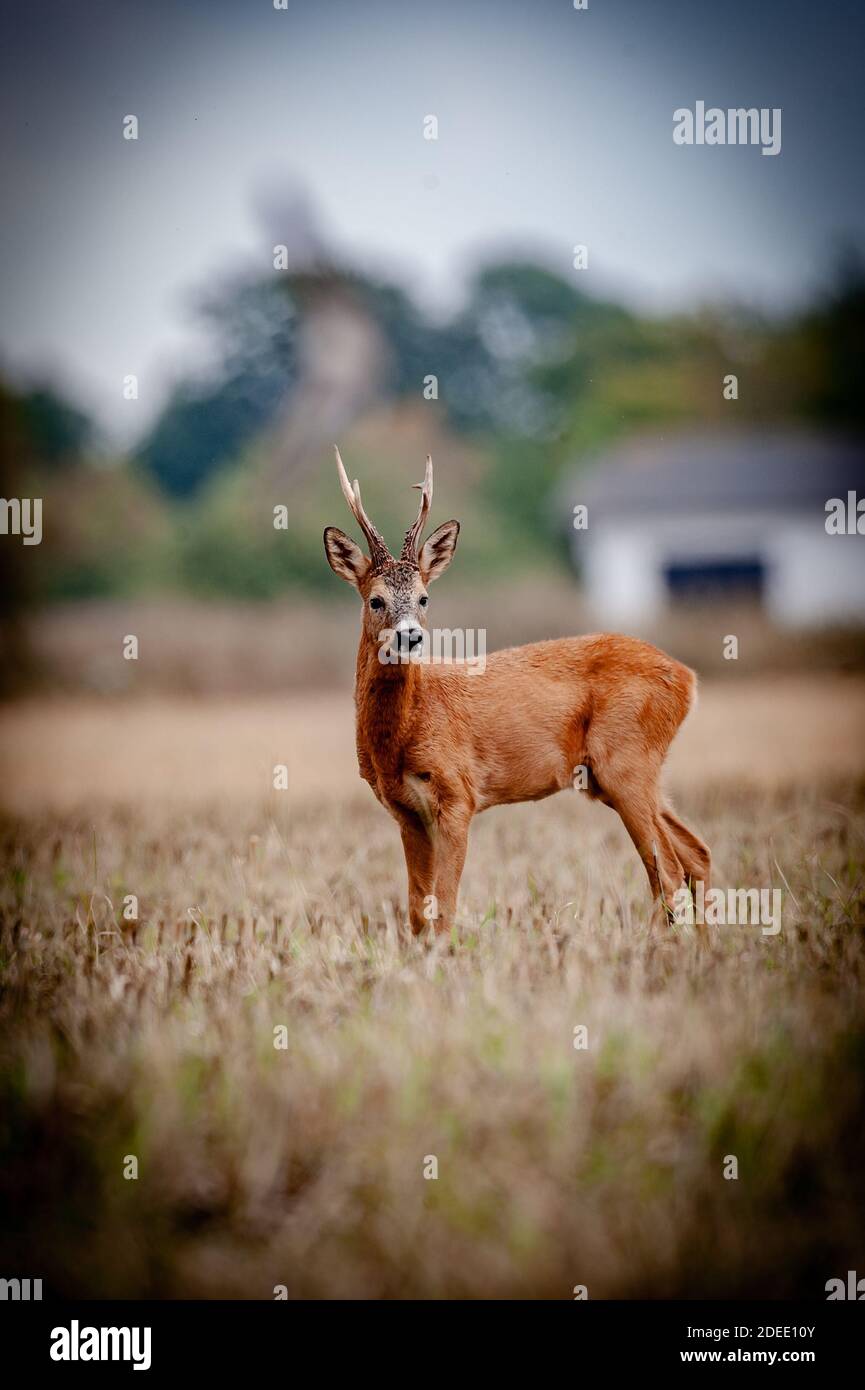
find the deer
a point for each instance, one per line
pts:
(438, 743)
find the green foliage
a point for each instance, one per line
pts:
(219, 557)
(535, 376)
(207, 423)
(58, 432)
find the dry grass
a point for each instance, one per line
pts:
(305, 1165)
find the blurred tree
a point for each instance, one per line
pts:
(16, 575)
(517, 316)
(41, 436)
(205, 424)
(833, 337)
(546, 373)
(57, 432)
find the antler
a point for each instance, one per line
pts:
(411, 544)
(378, 551)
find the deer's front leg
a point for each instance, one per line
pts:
(420, 863)
(452, 837)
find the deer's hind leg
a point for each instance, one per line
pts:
(636, 799)
(641, 817)
(692, 851)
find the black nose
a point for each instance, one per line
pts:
(410, 638)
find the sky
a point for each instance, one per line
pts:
(554, 128)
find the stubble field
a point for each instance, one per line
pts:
(284, 1063)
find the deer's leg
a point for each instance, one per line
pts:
(420, 857)
(638, 806)
(451, 845)
(693, 853)
(669, 866)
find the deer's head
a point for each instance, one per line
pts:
(394, 591)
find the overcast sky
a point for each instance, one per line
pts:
(555, 127)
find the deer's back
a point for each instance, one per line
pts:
(520, 729)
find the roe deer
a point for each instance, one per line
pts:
(438, 743)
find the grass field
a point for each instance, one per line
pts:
(303, 1165)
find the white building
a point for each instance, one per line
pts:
(722, 515)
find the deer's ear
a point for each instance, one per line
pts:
(344, 557)
(438, 551)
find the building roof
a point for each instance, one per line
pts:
(786, 470)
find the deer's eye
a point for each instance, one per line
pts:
(376, 603)
(423, 600)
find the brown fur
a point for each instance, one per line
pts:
(438, 744)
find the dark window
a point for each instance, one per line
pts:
(709, 579)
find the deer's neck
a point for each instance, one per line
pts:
(387, 700)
